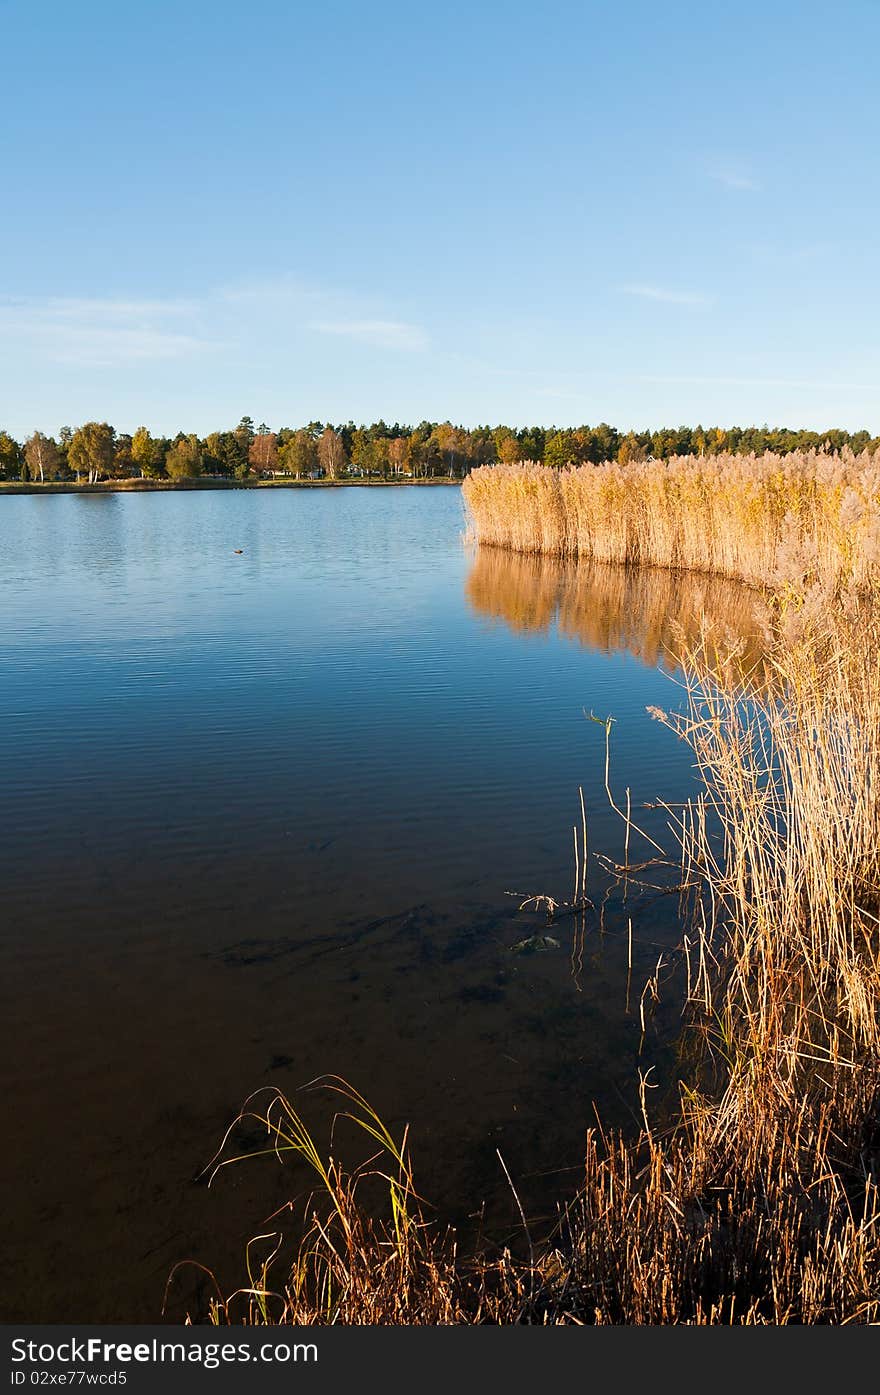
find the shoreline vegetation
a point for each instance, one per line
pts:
(758, 1203)
(768, 520)
(97, 453)
(147, 486)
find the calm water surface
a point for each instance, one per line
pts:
(260, 815)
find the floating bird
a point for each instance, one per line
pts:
(238, 551)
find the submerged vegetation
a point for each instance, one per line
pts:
(758, 1203)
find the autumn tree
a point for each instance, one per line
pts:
(299, 455)
(10, 456)
(331, 453)
(381, 457)
(507, 447)
(91, 450)
(452, 446)
(95, 451)
(263, 452)
(481, 447)
(632, 450)
(184, 460)
(219, 447)
(400, 455)
(42, 456)
(427, 457)
(145, 453)
(123, 465)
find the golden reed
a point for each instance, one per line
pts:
(759, 1204)
(764, 519)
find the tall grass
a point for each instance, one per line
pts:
(805, 516)
(759, 1204)
(773, 1169)
(365, 1253)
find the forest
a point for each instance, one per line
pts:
(322, 450)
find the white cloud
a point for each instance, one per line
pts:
(103, 331)
(73, 307)
(807, 384)
(383, 334)
(264, 293)
(734, 179)
(669, 297)
(95, 332)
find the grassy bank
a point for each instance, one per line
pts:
(759, 1204)
(765, 519)
(137, 486)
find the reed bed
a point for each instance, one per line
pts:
(763, 519)
(759, 1203)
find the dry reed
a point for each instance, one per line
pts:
(760, 1203)
(807, 516)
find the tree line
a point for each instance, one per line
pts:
(322, 450)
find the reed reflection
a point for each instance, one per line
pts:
(653, 613)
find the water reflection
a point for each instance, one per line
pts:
(268, 834)
(654, 614)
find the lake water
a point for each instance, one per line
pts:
(260, 816)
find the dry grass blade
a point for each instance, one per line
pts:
(759, 1204)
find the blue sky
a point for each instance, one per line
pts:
(645, 213)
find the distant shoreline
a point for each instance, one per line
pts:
(167, 486)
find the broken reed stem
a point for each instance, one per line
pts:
(626, 843)
(584, 846)
(577, 870)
